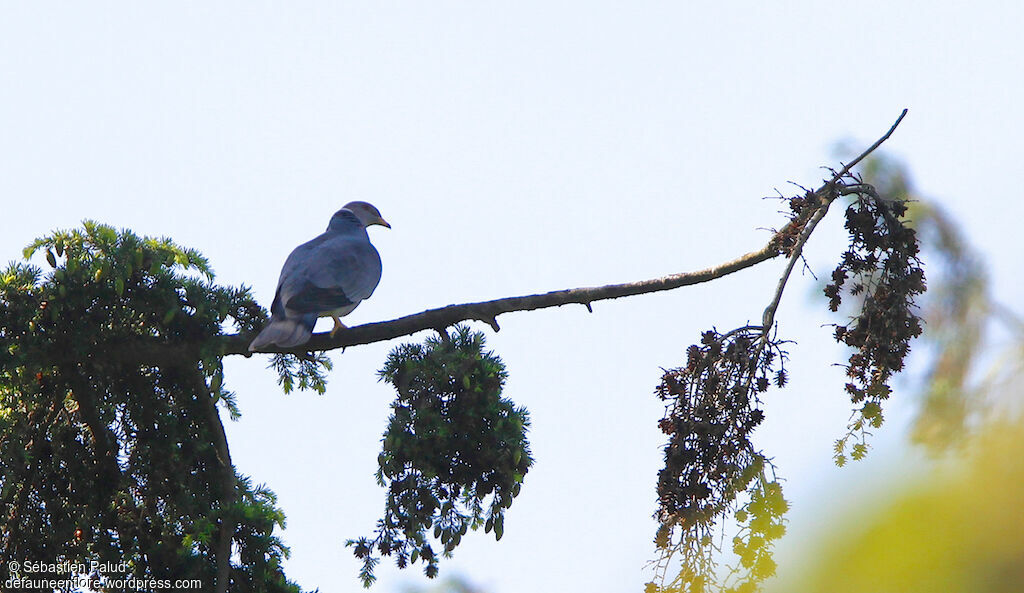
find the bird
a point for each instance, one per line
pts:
(325, 277)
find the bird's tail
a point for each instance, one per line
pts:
(285, 332)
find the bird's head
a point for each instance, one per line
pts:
(367, 214)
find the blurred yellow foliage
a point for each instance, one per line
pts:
(960, 531)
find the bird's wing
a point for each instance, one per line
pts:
(334, 270)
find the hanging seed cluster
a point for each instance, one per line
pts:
(713, 407)
(882, 270)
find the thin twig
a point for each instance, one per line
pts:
(769, 313)
(871, 149)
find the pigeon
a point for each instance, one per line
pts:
(326, 277)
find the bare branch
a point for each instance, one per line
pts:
(488, 311)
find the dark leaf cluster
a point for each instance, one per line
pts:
(713, 406)
(455, 451)
(110, 374)
(881, 270)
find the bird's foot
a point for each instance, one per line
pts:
(337, 326)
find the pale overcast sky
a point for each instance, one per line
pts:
(515, 148)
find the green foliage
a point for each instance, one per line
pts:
(111, 447)
(762, 520)
(256, 515)
(455, 452)
(307, 370)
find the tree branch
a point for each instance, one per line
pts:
(226, 479)
(488, 311)
(827, 193)
(768, 318)
(870, 149)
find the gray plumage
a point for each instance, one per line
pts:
(326, 277)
